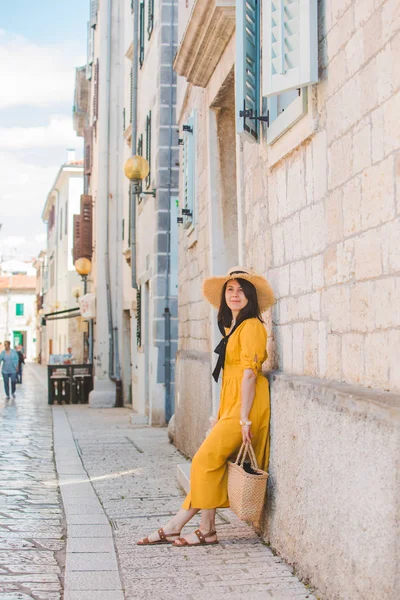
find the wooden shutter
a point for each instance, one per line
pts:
(77, 238)
(150, 17)
(86, 226)
(290, 45)
(139, 316)
(141, 33)
(94, 7)
(96, 91)
(148, 147)
(88, 138)
(247, 74)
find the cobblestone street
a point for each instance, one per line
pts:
(133, 474)
(32, 533)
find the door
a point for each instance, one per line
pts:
(18, 338)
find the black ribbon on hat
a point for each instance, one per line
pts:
(221, 349)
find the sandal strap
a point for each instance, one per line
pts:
(161, 534)
(202, 536)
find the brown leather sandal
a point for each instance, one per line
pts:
(163, 539)
(202, 540)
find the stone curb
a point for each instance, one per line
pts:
(91, 570)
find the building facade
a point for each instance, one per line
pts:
(59, 279)
(307, 196)
(129, 110)
(17, 306)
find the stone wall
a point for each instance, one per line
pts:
(333, 496)
(322, 208)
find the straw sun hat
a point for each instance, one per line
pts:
(212, 287)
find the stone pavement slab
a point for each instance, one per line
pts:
(133, 472)
(87, 569)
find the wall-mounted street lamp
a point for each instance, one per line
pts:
(83, 266)
(136, 168)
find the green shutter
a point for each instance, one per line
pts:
(248, 68)
(141, 34)
(150, 18)
(130, 95)
(148, 147)
(140, 145)
(94, 7)
(19, 310)
(139, 316)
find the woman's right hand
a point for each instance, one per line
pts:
(246, 434)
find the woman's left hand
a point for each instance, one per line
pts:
(246, 434)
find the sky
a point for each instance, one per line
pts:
(41, 44)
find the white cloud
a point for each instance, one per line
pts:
(38, 75)
(58, 132)
(24, 186)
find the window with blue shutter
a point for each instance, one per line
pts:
(140, 145)
(247, 73)
(130, 95)
(139, 316)
(290, 61)
(19, 310)
(189, 167)
(94, 7)
(290, 45)
(148, 147)
(141, 33)
(150, 18)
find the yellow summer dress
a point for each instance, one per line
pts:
(246, 349)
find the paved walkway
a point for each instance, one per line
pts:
(118, 483)
(32, 528)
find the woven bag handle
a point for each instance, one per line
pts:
(247, 448)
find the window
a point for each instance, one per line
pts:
(150, 18)
(19, 310)
(141, 33)
(189, 164)
(94, 6)
(139, 316)
(290, 64)
(148, 147)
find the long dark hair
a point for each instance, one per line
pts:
(251, 310)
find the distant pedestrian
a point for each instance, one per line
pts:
(21, 361)
(244, 411)
(10, 361)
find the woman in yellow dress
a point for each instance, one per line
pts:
(244, 410)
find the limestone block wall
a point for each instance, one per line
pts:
(333, 497)
(323, 207)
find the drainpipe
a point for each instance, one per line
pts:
(113, 365)
(167, 312)
(134, 136)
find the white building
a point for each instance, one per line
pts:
(130, 109)
(17, 305)
(63, 201)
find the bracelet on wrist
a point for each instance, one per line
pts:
(244, 422)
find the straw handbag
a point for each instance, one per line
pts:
(246, 491)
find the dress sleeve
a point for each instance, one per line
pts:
(253, 341)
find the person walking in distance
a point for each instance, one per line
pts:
(244, 412)
(10, 361)
(21, 361)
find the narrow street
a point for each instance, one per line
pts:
(118, 483)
